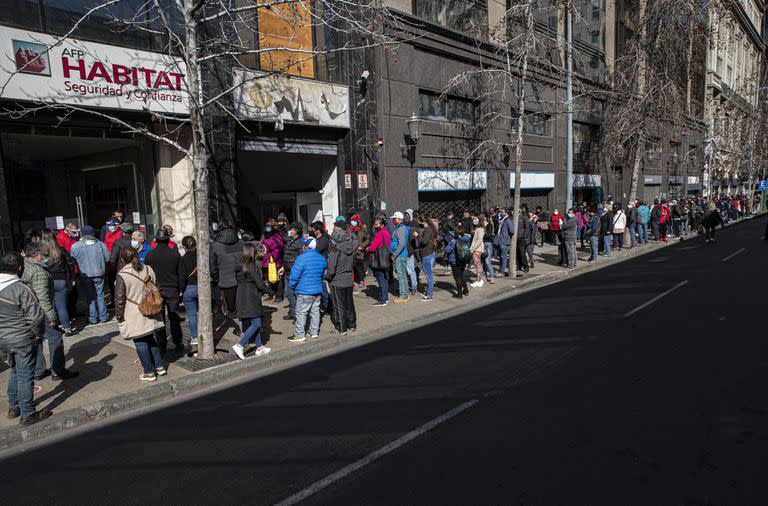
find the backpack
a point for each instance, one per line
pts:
(462, 251)
(151, 303)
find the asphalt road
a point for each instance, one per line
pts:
(577, 393)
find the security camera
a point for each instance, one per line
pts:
(365, 74)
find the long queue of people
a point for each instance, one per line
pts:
(317, 271)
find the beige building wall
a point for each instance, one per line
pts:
(174, 189)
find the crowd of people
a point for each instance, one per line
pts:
(318, 271)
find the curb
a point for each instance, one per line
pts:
(309, 350)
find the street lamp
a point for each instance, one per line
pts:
(411, 138)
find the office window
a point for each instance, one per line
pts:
(452, 109)
(21, 14)
(465, 16)
(534, 123)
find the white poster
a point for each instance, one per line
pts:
(533, 180)
(265, 97)
(447, 180)
(34, 67)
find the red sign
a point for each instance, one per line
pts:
(362, 180)
(348, 181)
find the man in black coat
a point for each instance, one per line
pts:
(226, 255)
(171, 275)
(292, 249)
(119, 244)
(524, 235)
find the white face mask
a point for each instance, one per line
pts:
(475, 221)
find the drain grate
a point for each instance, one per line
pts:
(193, 364)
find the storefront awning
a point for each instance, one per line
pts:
(287, 147)
(587, 181)
(652, 180)
(451, 180)
(533, 180)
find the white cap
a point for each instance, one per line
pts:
(397, 216)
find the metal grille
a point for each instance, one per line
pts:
(439, 203)
(535, 198)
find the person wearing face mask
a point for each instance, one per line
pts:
(92, 257)
(570, 236)
(380, 265)
(37, 278)
(273, 242)
(478, 249)
(68, 236)
(123, 242)
(62, 270)
(23, 327)
(555, 226)
(115, 218)
(362, 237)
(293, 248)
(139, 243)
(112, 234)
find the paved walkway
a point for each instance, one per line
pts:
(108, 364)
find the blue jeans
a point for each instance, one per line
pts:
(21, 379)
(307, 305)
(291, 296)
(633, 235)
(60, 292)
(642, 231)
(618, 240)
(411, 268)
(55, 350)
(383, 281)
(94, 291)
(325, 298)
(607, 244)
(252, 329)
(685, 226)
(595, 246)
(401, 267)
(504, 258)
(148, 350)
(428, 262)
(190, 305)
(488, 266)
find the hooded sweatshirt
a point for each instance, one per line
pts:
(340, 260)
(226, 254)
(22, 318)
(91, 256)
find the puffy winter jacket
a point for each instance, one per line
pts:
(307, 273)
(23, 320)
(569, 229)
(274, 245)
(91, 256)
(292, 250)
(226, 255)
(645, 214)
(39, 280)
(111, 237)
(399, 245)
(450, 249)
(506, 231)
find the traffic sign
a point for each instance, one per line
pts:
(762, 185)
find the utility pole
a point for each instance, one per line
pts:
(569, 87)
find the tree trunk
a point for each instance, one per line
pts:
(519, 140)
(200, 158)
(636, 167)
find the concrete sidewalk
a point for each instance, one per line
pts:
(108, 364)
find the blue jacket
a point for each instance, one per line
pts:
(450, 249)
(145, 248)
(645, 214)
(307, 273)
(506, 231)
(399, 245)
(91, 256)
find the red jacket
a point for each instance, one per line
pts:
(111, 237)
(171, 244)
(554, 223)
(381, 238)
(65, 241)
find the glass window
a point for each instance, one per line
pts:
(467, 16)
(534, 123)
(453, 109)
(584, 146)
(588, 23)
(21, 14)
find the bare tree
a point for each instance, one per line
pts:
(210, 39)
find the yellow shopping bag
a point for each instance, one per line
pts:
(272, 271)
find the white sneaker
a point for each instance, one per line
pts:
(239, 351)
(262, 350)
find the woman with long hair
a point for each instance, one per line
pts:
(380, 266)
(477, 247)
(427, 246)
(250, 288)
(189, 296)
(145, 331)
(62, 271)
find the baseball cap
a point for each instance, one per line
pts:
(397, 216)
(88, 230)
(310, 243)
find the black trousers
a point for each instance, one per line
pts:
(359, 270)
(520, 256)
(529, 253)
(173, 320)
(459, 278)
(343, 315)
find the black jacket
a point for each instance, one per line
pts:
(226, 255)
(712, 219)
(63, 268)
(250, 288)
(117, 247)
(291, 251)
(524, 230)
(168, 267)
(427, 241)
(606, 224)
(190, 266)
(569, 229)
(324, 245)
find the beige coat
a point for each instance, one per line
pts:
(134, 324)
(477, 240)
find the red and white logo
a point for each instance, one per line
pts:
(31, 58)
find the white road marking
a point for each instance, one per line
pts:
(373, 456)
(543, 340)
(659, 296)
(732, 255)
